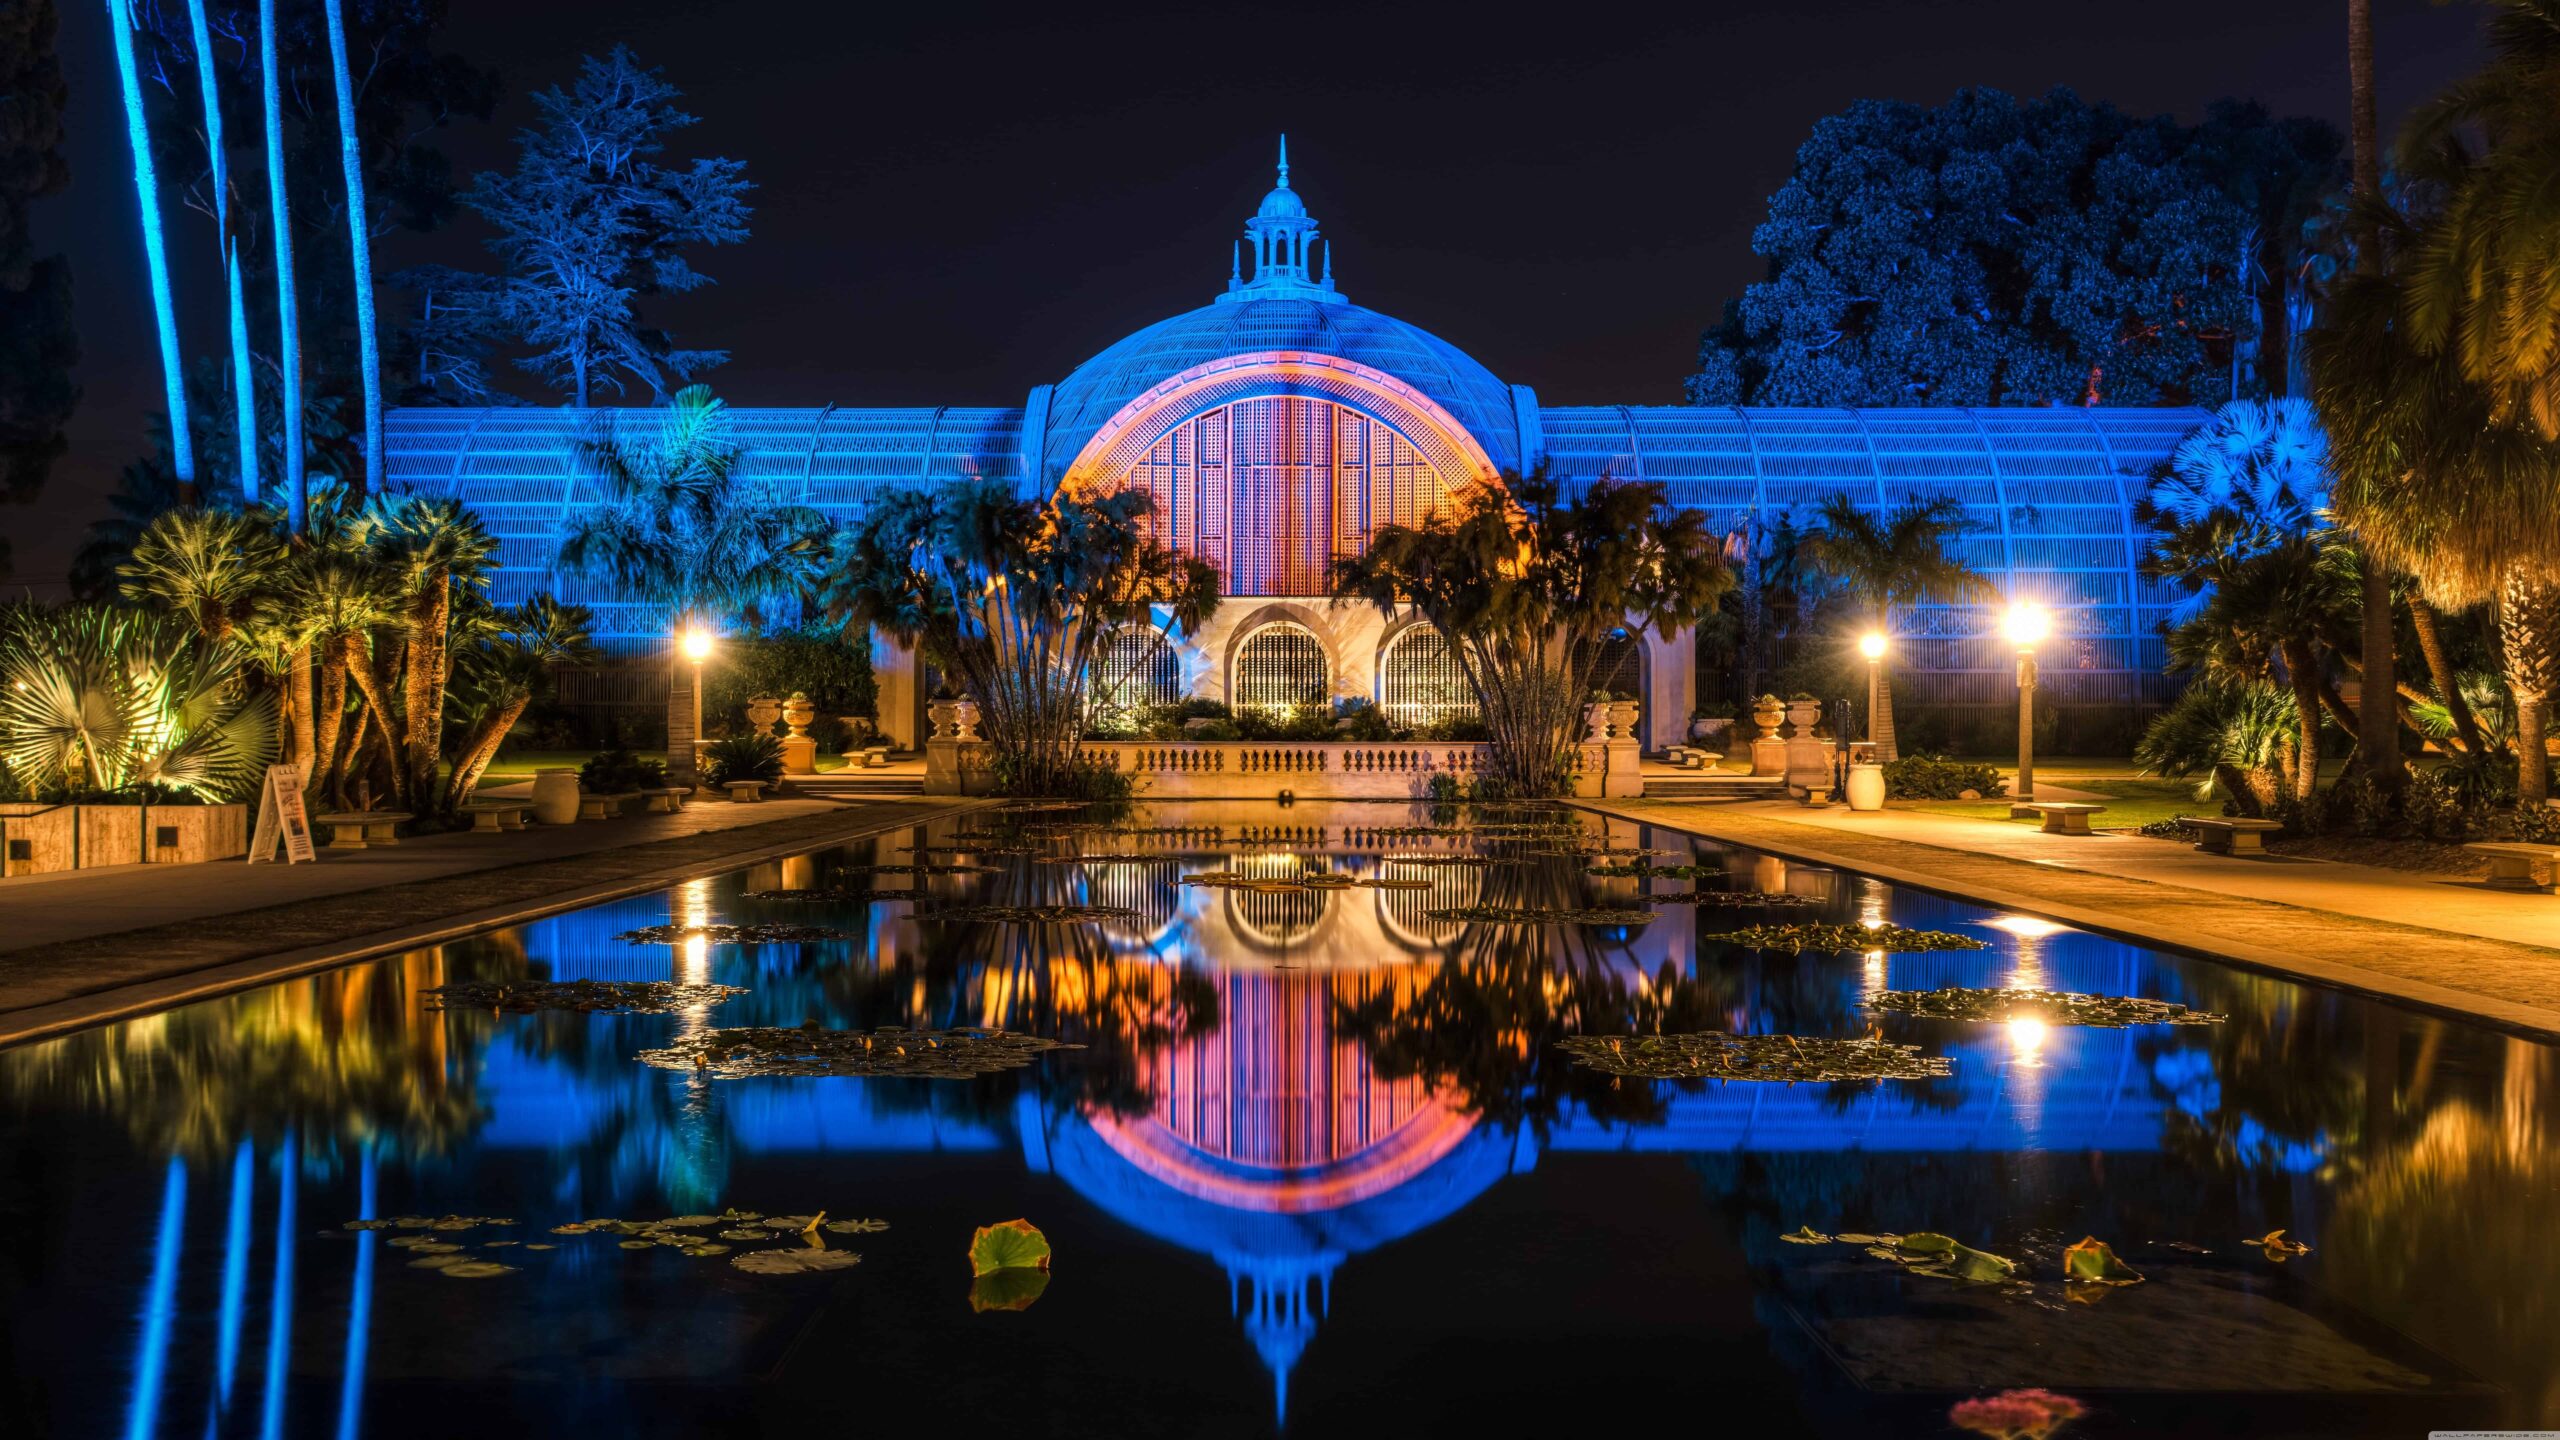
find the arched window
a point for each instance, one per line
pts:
(1280, 667)
(1419, 682)
(1133, 668)
(1618, 667)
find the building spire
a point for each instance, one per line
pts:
(1283, 236)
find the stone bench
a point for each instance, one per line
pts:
(744, 791)
(2231, 837)
(1818, 793)
(2061, 817)
(2511, 863)
(666, 799)
(600, 807)
(494, 816)
(356, 829)
(1689, 757)
(873, 756)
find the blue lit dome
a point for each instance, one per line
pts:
(1090, 396)
(1281, 204)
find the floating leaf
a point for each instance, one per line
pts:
(425, 1247)
(437, 1262)
(1731, 899)
(767, 934)
(1523, 915)
(928, 1054)
(857, 1227)
(1013, 1245)
(2054, 1007)
(1029, 914)
(1012, 1289)
(794, 1262)
(1123, 858)
(1929, 1253)
(705, 1251)
(1807, 1235)
(478, 1270)
(2092, 1262)
(602, 997)
(1716, 1055)
(1797, 939)
(2278, 1248)
(793, 1223)
(746, 1234)
(1460, 862)
(638, 1244)
(1645, 870)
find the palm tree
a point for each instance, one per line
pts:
(428, 548)
(328, 600)
(505, 661)
(93, 697)
(2242, 506)
(215, 567)
(155, 249)
(244, 386)
(359, 248)
(1896, 561)
(297, 496)
(2238, 734)
(2378, 728)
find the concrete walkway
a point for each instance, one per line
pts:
(90, 945)
(2451, 945)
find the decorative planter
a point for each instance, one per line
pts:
(762, 711)
(1866, 787)
(1595, 724)
(1767, 714)
(1802, 716)
(555, 796)
(797, 713)
(964, 719)
(941, 713)
(1622, 719)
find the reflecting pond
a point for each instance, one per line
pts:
(1315, 1163)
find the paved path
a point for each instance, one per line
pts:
(2452, 945)
(90, 945)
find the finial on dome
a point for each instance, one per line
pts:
(1284, 160)
(1284, 240)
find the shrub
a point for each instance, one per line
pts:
(832, 667)
(619, 772)
(743, 757)
(1935, 777)
(1457, 729)
(1300, 723)
(1360, 720)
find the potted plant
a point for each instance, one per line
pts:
(744, 757)
(1804, 711)
(1766, 713)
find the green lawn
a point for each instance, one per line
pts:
(2130, 803)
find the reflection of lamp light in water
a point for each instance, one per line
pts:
(693, 965)
(2026, 1040)
(2025, 927)
(2031, 934)
(1877, 980)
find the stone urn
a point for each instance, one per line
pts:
(762, 711)
(1802, 716)
(1866, 786)
(1595, 724)
(799, 750)
(942, 713)
(1707, 729)
(964, 717)
(1766, 713)
(798, 713)
(555, 796)
(1622, 719)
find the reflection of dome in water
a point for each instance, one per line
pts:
(1274, 1147)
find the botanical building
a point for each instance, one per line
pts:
(1280, 425)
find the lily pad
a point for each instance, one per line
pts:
(2054, 1007)
(1643, 870)
(793, 1223)
(1012, 1289)
(478, 1270)
(773, 1050)
(971, 847)
(746, 1234)
(639, 1244)
(1807, 1235)
(438, 1262)
(1929, 1253)
(600, 997)
(790, 1261)
(1530, 915)
(1717, 1055)
(2093, 1262)
(706, 1250)
(1841, 939)
(736, 934)
(856, 1227)
(1012, 1245)
(1731, 899)
(2278, 1248)
(1123, 858)
(1452, 862)
(423, 1246)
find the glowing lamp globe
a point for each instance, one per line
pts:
(2027, 623)
(697, 644)
(1871, 645)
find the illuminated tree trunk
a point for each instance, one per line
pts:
(359, 248)
(2529, 631)
(155, 250)
(2302, 668)
(422, 682)
(479, 747)
(330, 713)
(2377, 705)
(2466, 726)
(374, 676)
(244, 381)
(297, 494)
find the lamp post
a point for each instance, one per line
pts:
(695, 645)
(2026, 626)
(1879, 739)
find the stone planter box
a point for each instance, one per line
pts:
(42, 838)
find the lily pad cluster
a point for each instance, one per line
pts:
(1107, 858)
(1296, 884)
(1924, 1252)
(847, 895)
(1030, 914)
(1797, 939)
(1602, 850)
(1733, 899)
(2054, 1007)
(1532, 915)
(765, 934)
(430, 1248)
(889, 1051)
(595, 997)
(732, 1228)
(1457, 862)
(973, 847)
(1643, 871)
(1718, 1055)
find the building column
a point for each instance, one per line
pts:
(1671, 689)
(894, 673)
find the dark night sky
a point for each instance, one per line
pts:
(960, 201)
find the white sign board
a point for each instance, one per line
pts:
(281, 817)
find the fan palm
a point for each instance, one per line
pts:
(503, 660)
(2239, 734)
(1897, 560)
(106, 699)
(426, 548)
(214, 567)
(682, 526)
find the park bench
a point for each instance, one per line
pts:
(744, 791)
(493, 816)
(2511, 863)
(666, 799)
(2061, 817)
(2230, 836)
(356, 829)
(1818, 793)
(600, 807)
(874, 756)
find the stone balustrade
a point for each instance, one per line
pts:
(1310, 769)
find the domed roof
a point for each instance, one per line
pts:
(1281, 204)
(1095, 391)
